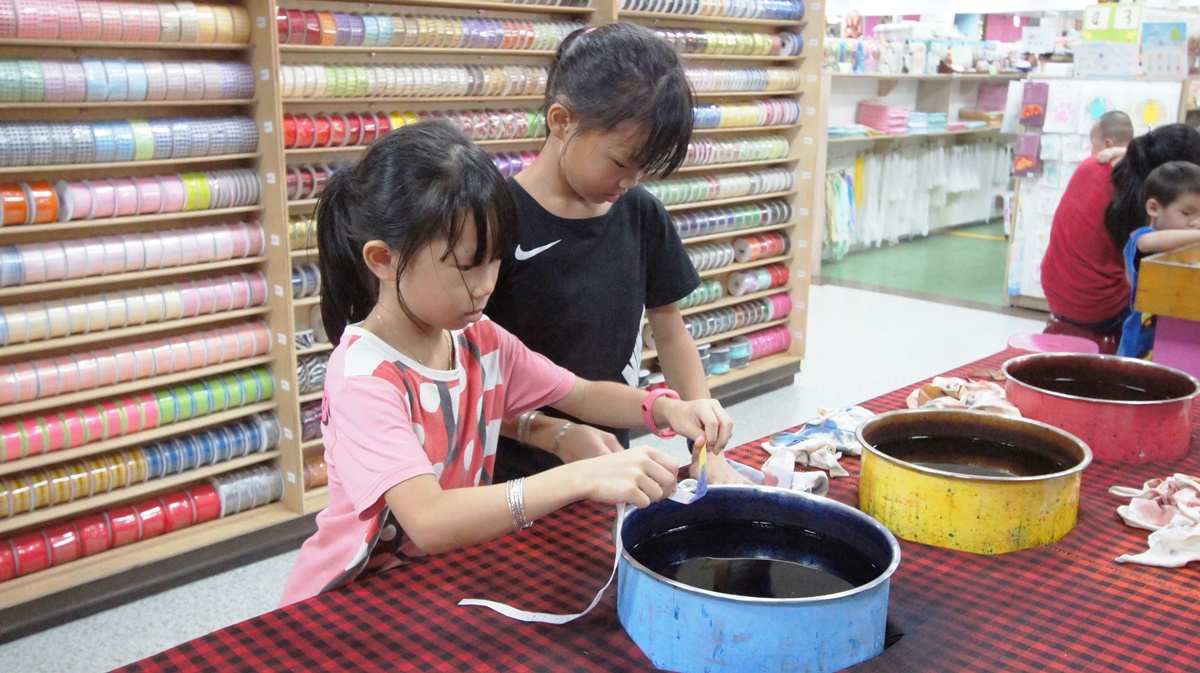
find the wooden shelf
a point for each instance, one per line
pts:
(312, 444)
(126, 332)
(305, 254)
(317, 348)
(725, 202)
(946, 134)
(120, 389)
(649, 354)
(135, 438)
(712, 273)
(7, 170)
(498, 100)
(746, 129)
(724, 94)
(89, 226)
(116, 496)
(98, 44)
(302, 203)
(131, 277)
(673, 18)
(306, 301)
(755, 368)
(429, 51)
(316, 499)
(736, 233)
(737, 164)
(963, 77)
(310, 397)
(114, 561)
(91, 105)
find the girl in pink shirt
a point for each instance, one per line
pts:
(411, 239)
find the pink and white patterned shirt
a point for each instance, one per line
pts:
(387, 419)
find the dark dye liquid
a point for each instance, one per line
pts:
(973, 456)
(756, 559)
(1115, 391)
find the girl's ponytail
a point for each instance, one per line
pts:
(348, 292)
(1127, 209)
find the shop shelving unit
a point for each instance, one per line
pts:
(283, 313)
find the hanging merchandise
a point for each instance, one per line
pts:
(877, 197)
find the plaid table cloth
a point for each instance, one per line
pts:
(1065, 607)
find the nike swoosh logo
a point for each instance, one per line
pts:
(523, 255)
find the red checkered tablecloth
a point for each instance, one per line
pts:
(1066, 607)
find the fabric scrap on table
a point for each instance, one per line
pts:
(820, 442)
(781, 474)
(956, 393)
(1170, 508)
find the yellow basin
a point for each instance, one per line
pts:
(970, 481)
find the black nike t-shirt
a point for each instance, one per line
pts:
(576, 291)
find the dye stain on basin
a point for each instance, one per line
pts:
(756, 559)
(970, 481)
(751, 578)
(1125, 410)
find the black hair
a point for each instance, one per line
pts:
(1171, 181)
(1127, 209)
(416, 185)
(623, 72)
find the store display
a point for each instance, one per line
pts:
(90, 534)
(314, 81)
(704, 80)
(44, 143)
(125, 197)
(339, 29)
(82, 20)
(68, 482)
(54, 319)
(121, 80)
(96, 317)
(70, 427)
(776, 10)
(737, 316)
(722, 186)
(65, 374)
(732, 43)
(742, 216)
(33, 263)
(316, 473)
(714, 151)
(306, 280)
(769, 112)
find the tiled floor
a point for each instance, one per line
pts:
(861, 344)
(966, 263)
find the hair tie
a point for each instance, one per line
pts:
(585, 32)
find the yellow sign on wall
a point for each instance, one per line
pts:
(1112, 23)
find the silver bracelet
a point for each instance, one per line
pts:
(514, 491)
(562, 432)
(523, 426)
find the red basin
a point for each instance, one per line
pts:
(1126, 410)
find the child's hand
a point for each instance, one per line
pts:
(583, 441)
(639, 476)
(1112, 155)
(701, 417)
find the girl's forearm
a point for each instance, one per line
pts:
(440, 520)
